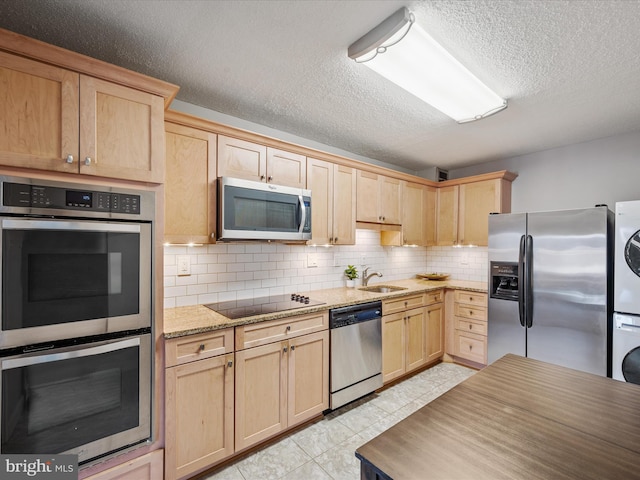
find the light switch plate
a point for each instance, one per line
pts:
(184, 265)
(312, 260)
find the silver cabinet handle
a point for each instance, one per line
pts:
(262, 177)
(87, 161)
(269, 178)
(288, 328)
(293, 347)
(69, 158)
(285, 349)
(230, 364)
(202, 347)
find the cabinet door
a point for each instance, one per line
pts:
(447, 223)
(241, 159)
(199, 415)
(286, 168)
(368, 198)
(121, 132)
(390, 200)
(393, 346)
(416, 334)
(435, 332)
(308, 376)
(430, 216)
(320, 182)
(261, 393)
(190, 188)
(477, 201)
(413, 214)
(39, 115)
(344, 205)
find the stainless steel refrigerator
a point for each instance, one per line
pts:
(550, 287)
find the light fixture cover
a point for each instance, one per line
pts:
(401, 51)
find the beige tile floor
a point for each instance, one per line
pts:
(325, 449)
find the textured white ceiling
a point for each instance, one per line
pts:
(570, 69)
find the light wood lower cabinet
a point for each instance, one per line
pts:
(412, 334)
(468, 322)
(146, 467)
(199, 402)
(279, 385)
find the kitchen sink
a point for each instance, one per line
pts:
(382, 288)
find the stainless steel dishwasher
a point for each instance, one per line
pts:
(356, 352)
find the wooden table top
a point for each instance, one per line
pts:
(516, 419)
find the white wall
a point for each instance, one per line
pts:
(576, 176)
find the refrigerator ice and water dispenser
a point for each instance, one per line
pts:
(504, 280)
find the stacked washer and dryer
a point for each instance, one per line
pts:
(626, 319)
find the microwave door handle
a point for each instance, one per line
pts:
(303, 210)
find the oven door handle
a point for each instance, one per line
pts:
(79, 353)
(13, 224)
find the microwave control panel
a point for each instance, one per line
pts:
(40, 196)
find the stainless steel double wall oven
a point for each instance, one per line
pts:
(76, 317)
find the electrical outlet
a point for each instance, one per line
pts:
(363, 259)
(336, 260)
(184, 265)
(312, 260)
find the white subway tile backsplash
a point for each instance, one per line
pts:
(224, 272)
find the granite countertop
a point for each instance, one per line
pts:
(193, 319)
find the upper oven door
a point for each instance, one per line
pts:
(66, 279)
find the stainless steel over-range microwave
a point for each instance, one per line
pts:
(262, 211)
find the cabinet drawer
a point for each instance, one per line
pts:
(470, 346)
(256, 334)
(470, 298)
(433, 297)
(402, 303)
(466, 325)
(197, 347)
(466, 311)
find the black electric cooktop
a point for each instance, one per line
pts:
(258, 306)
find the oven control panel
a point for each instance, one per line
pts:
(40, 196)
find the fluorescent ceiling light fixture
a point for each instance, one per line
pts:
(401, 51)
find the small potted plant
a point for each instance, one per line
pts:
(351, 273)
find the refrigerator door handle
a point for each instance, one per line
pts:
(521, 282)
(529, 280)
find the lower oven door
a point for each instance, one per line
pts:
(89, 400)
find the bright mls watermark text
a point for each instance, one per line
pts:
(45, 467)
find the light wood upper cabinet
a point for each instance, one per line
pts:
(333, 200)
(447, 219)
(251, 161)
(379, 199)
(121, 132)
(418, 214)
(463, 210)
(39, 115)
(477, 201)
(286, 168)
(62, 121)
(190, 188)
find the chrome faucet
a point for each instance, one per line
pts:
(365, 277)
